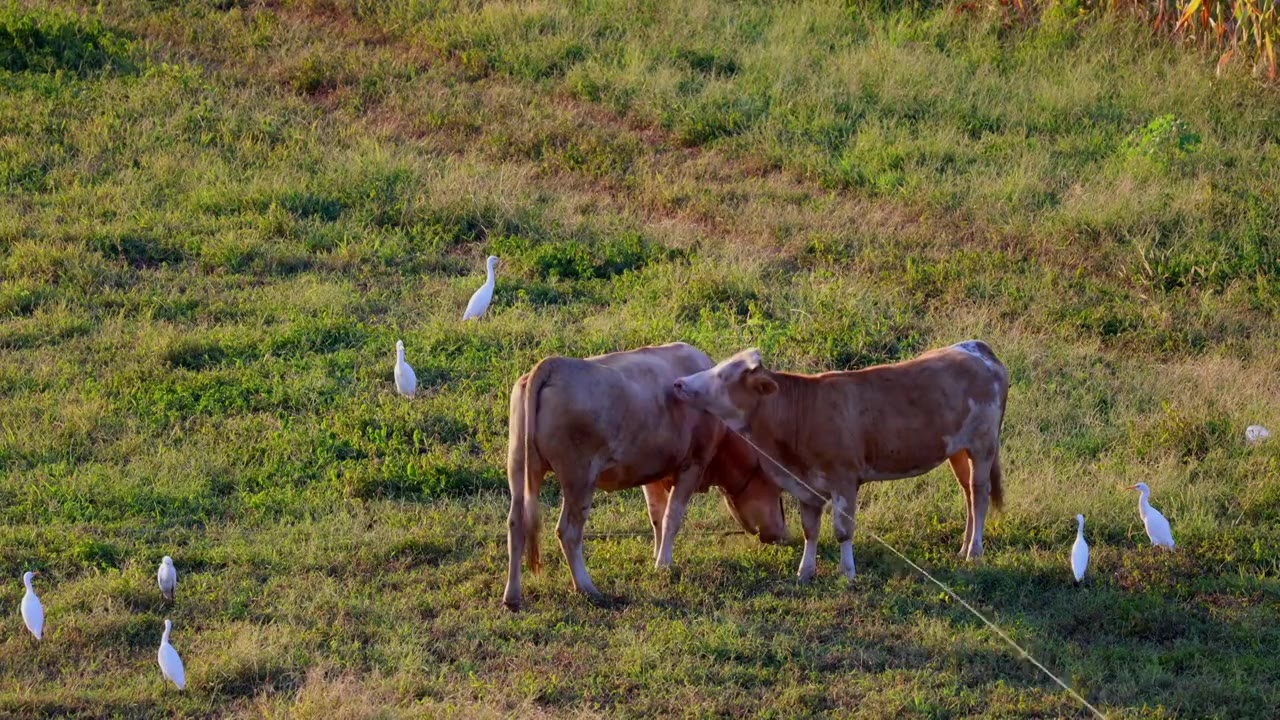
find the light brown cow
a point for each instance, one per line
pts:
(613, 422)
(838, 430)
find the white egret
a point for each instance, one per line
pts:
(170, 663)
(406, 380)
(480, 299)
(32, 610)
(167, 576)
(1157, 527)
(1255, 434)
(1079, 551)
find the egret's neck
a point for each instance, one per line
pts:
(165, 637)
(1080, 531)
(1143, 504)
(400, 354)
(488, 277)
(27, 581)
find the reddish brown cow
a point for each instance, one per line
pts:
(838, 430)
(749, 495)
(613, 422)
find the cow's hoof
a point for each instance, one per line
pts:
(512, 605)
(805, 577)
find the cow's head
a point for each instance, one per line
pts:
(753, 500)
(731, 390)
(758, 508)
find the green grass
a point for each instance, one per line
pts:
(217, 218)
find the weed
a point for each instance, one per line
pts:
(1165, 140)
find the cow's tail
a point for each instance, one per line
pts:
(997, 476)
(997, 489)
(533, 482)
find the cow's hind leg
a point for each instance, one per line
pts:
(981, 485)
(655, 498)
(516, 519)
(576, 487)
(844, 503)
(960, 465)
(515, 553)
(811, 521)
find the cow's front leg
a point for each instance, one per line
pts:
(811, 521)
(573, 518)
(655, 497)
(844, 503)
(687, 481)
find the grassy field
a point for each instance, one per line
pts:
(218, 216)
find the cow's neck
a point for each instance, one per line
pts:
(726, 480)
(775, 419)
(774, 429)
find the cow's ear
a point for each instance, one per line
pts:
(762, 384)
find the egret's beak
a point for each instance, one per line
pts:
(35, 573)
(1132, 487)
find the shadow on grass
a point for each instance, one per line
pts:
(1136, 636)
(1137, 633)
(85, 707)
(251, 679)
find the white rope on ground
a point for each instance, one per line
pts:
(1001, 633)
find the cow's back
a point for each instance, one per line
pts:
(907, 417)
(946, 377)
(657, 362)
(615, 412)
